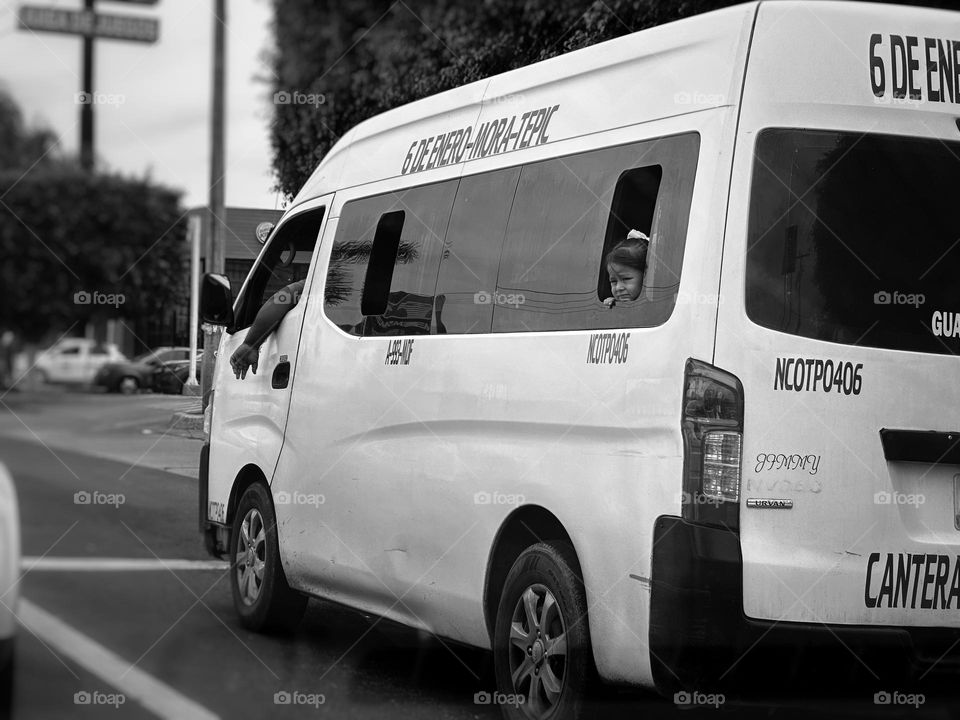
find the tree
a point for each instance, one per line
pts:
(78, 246)
(21, 147)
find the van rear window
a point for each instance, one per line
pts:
(854, 238)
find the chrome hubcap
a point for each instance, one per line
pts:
(538, 651)
(251, 556)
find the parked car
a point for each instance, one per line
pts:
(75, 360)
(170, 377)
(9, 578)
(129, 376)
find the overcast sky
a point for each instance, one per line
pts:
(157, 121)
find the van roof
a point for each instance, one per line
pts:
(685, 66)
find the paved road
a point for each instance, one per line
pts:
(162, 637)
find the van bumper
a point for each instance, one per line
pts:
(213, 533)
(701, 640)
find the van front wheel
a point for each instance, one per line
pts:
(541, 644)
(261, 596)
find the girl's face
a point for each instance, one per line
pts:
(625, 281)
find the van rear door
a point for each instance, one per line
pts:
(839, 303)
(845, 333)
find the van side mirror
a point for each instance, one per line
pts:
(216, 300)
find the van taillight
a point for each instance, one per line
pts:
(712, 425)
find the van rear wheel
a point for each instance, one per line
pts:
(541, 644)
(6, 690)
(261, 596)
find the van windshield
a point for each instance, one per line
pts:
(855, 238)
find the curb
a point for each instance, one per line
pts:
(188, 422)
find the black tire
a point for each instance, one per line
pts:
(264, 603)
(128, 385)
(553, 683)
(6, 689)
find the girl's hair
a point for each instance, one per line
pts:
(631, 252)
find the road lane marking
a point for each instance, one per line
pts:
(106, 564)
(135, 684)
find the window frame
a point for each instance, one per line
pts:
(244, 314)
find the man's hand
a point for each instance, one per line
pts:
(245, 356)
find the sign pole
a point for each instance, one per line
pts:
(86, 100)
(191, 387)
(217, 216)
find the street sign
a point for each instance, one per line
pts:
(89, 24)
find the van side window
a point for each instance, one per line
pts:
(285, 260)
(852, 239)
(348, 262)
(471, 252)
(409, 306)
(365, 294)
(566, 212)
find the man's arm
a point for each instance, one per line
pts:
(268, 318)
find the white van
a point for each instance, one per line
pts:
(453, 426)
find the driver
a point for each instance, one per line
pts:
(267, 319)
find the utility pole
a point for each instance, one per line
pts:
(216, 216)
(191, 386)
(86, 109)
(217, 180)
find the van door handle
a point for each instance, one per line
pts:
(926, 446)
(281, 375)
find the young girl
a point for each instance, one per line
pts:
(626, 265)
